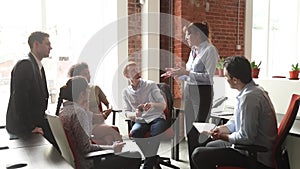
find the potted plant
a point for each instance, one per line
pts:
(220, 67)
(294, 72)
(255, 69)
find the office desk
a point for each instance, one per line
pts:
(219, 119)
(44, 156)
(30, 141)
(295, 130)
(34, 150)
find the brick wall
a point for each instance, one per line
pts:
(134, 31)
(222, 18)
(166, 42)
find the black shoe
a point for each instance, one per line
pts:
(156, 165)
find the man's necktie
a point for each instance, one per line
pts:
(43, 73)
(44, 82)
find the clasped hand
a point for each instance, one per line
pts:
(215, 133)
(220, 132)
(141, 108)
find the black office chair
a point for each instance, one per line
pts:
(169, 133)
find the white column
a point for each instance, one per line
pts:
(150, 39)
(43, 9)
(121, 82)
(248, 29)
(122, 47)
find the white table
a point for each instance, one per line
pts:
(35, 151)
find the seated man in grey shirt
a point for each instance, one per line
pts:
(254, 122)
(143, 99)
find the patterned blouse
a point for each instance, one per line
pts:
(96, 97)
(76, 124)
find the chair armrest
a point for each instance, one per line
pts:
(114, 116)
(177, 110)
(101, 153)
(130, 123)
(116, 111)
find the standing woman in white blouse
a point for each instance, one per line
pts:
(198, 75)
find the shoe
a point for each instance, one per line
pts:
(156, 165)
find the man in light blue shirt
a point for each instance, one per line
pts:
(144, 104)
(254, 122)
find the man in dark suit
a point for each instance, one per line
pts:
(29, 93)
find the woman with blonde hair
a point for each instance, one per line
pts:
(198, 74)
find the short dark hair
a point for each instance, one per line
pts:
(238, 67)
(71, 90)
(77, 68)
(37, 36)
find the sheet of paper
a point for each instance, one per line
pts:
(130, 114)
(222, 113)
(204, 127)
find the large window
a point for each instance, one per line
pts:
(70, 24)
(276, 35)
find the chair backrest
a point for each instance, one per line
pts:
(283, 130)
(61, 138)
(166, 92)
(169, 133)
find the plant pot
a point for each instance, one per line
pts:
(220, 72)
(255, 72)
(294, 74)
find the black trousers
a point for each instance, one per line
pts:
(197, 105)
(219, 153)
(126, 160)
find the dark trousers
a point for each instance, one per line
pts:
(219, 153)
(126, 160)
(197, 105)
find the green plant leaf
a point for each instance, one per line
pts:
(295, 67)
(254, 65)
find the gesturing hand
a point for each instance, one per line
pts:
(169, 72)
